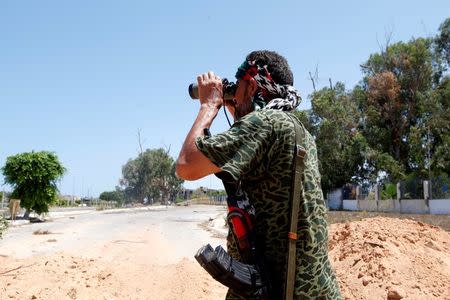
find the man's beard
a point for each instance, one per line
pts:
(244, 109)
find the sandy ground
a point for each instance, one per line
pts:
(131, 255)
(388, 258)
(149, 255)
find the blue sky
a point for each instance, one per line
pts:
(81, 77)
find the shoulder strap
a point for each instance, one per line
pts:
(296, 195)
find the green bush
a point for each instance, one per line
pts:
(3, 226)
(62, 203)
(179, 200)
(389, 191)
(34, 177)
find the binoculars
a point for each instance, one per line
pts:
(228, 89)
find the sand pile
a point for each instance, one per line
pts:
(386, 258)
(62, 276)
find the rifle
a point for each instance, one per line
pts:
(250, 274)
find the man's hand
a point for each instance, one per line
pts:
(210, 90)
(192, 164)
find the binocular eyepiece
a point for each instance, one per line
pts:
(228, 88)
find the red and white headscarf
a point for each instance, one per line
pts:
(287, 98)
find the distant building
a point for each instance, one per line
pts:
(69, 197)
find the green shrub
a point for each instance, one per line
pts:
(389, 191)
(3, 226)
(62, 203)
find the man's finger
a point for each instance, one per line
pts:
(199, 79)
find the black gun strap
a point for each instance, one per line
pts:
(297, 190)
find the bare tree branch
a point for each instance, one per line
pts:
(166, 148)
(312, 80)
(388, 38)
(139, 140)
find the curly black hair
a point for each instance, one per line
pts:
(277, 65)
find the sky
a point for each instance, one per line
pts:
(81, 78)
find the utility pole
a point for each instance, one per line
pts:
(73, 191)
(429, 162)
(82, 188)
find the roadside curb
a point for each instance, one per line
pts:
(217, 226)
(53, 215)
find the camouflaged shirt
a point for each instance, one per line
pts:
(259, 150)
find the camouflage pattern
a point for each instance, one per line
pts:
(258, 150)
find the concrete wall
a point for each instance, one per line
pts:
(367, 205)
(350, 204)
(389, 205)
(440, 206)
(335, 199)
(418, 206)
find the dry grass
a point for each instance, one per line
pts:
(205, 201)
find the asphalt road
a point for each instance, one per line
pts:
(83, 231)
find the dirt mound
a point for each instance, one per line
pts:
(387, 258)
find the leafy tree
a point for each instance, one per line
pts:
(442, 46)
(398, 83)
(334, 121)
(437, 127)
(151, 175)
(174, 184)
(33, 176)
(117, 195)
(395, 124)
(308, 119)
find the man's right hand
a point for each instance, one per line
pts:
(192, 164)
(210, 90)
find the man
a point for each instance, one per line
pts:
(258, 152)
